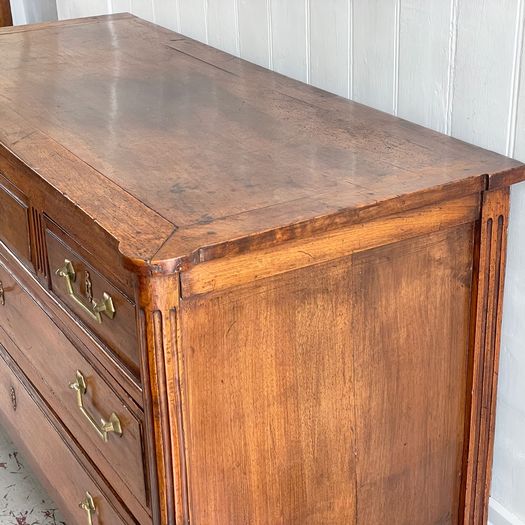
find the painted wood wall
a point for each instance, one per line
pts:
(452, 65)
(33, 11)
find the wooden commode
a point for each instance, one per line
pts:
(228, 298)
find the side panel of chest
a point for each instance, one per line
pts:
(335, 392)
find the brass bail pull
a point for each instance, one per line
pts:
(104, 428)
(93, 307)
(89, 506)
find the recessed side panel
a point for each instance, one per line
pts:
(335, 393)
(270, 403)
(410, 334)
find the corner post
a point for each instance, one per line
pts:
(485, 347)
(158, 330)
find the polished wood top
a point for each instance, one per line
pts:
(184, 153)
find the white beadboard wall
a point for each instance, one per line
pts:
(33, 11)
(452, 65)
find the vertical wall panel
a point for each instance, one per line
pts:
(222, 25)
(483, 72)
(508, 479)
(517, 146)
(289, 20)
(167, 14)
(64, 10)
(374, 47)
(425, 39)
(33, 11)
(80, 8)
(329, 45)
(40, 11)
(193, 21)
(254, 31)
(143, 9)
(120, 6)
(18, 12)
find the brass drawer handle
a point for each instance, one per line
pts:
(89, 506)
(12, 395)
(105, 427)
(96, 307)
(2, 294)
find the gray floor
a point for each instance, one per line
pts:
(22, 500)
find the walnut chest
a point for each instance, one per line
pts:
(228, 298)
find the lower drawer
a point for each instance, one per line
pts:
(53, 458)
(54, 365)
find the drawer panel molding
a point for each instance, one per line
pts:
(14, 220)
(22, 411)
(38, 243)
(49, 358)
(90, 295)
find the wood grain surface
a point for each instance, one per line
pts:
(54, 446)
(279, 359)
(193, 138)
(314, 286)
(486, 327)
(6, 18)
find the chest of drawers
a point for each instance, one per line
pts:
(230, 298)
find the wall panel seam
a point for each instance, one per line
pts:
(237, 28)
(350, 49)
(515, 79)
(206, 31)
(397, 36)
(270, 33)
(307, 40)
(177, 15)
(452, 52)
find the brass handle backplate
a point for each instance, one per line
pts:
(95, 307)
(105, 427)
(89, 506)
(12, 395)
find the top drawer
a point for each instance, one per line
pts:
(89, 294)
(14, 220)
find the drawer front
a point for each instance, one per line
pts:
(14, 221)
(76, 391)
(55, 459)
(79, 286)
